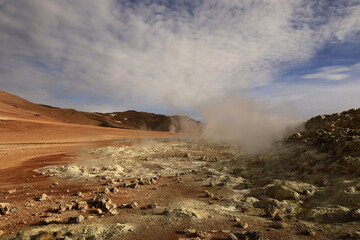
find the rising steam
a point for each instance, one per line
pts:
(242, 122)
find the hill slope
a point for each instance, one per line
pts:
(14, 106)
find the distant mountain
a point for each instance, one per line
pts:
(14, 106)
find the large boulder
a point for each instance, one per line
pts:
(329, 214)
(289, 190)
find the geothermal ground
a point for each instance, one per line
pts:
(101, 183)
(173, 189)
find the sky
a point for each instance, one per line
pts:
(170, 56)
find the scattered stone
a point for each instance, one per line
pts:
(49, 220)
(330, 213)
(113, 211)
(134, 205)
(355, 235)
(271, 211)
(48, 214)
(44, 236)
(108, 206)
(355, 213)
(251, 200)
(82, 205)
(243, 225)
(209, 194)
(79, 219)
(114, 190)
(281, 192)
(78, 194)
(280, 216)
(63, 207)
(194, 238)
(102, 201)
(134, 185)
(203, 235)
(151, 206)
(43, 197)
(279, 225)
(11, 191)
(236, 235)
(6, 209)
(1, 233)
(237, 219)
(54, 184)
(189, 231)
(310, 232)
(98, 211)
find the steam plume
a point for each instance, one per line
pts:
(242, 122)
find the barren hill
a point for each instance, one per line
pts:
(14, 106)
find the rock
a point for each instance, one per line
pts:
(79, 219)
(113, 211)
(43, 197)
(355, 213)
(236, 219)
(54, 184)
(209, 194)
(153, 181)
(29, 204)
(108, 206)
(251, 200)
(82, 205)
(6, 208)
(281, 192)
(134, 205)
(11, 191)
(330, 213)
(310, 232)
(78, 194)
(102, 201)
(276, 209)
(280, 216)
(203, 235)
(114, 190)
(236, 235)
(49, 220)
(243, 225)
(1, 233)
(98, 211)
(189, 231)
(355, 235)
(63, 207)
(134, 185)
(279, 225)
(152, 206)
(44, 236)
(194, 238)
(271, 211)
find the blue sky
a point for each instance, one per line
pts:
(175, 56)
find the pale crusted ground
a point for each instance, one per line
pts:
(209, 189)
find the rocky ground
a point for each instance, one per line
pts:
(306, 187)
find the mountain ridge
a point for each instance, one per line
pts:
(14, 106)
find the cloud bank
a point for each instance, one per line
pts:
(151, 53)
(335, 73)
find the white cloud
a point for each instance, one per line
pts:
(335, 73)
(145, 54)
